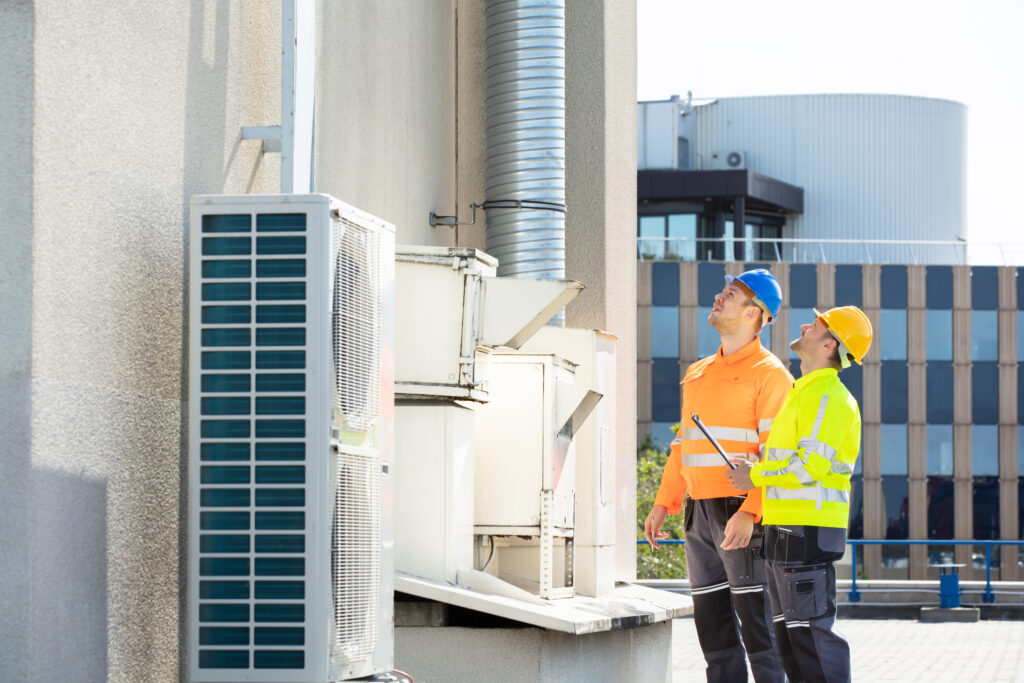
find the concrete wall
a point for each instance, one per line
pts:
(522, 655)
(115, 114)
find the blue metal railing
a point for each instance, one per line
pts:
(854, 595)
(988, 596)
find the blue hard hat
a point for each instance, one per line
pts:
(765, 287)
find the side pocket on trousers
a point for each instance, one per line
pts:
(807, 597)
(687, 513)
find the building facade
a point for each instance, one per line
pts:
(813, 167)
(940, 394)
(115, 114)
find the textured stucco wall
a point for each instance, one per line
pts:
(601, 217)
(16, 26)
(386, 112)
(120, 112)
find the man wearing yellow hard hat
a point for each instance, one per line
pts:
(805, 485)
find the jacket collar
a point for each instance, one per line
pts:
(812, 376)
(744, 352)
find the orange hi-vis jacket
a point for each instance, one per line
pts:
(736, 397)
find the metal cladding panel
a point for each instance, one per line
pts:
(282, 287)
(871, 166)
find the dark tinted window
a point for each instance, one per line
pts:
(803, 285)
(986, 508)
(984, 288)
(848, 286)
(853, 378)
(940, 507)
(710, 281)
(985, 392)
(894, 286)
(894, 391)
(939, 378)
(939, 286)
(665, 283)
(665, 390)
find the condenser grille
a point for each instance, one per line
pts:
(356, 334)
(356, 555)
(253, 504)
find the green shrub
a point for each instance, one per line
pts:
(670, 561)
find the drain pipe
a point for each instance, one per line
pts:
(525, 176)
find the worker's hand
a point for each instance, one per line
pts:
(738, 530)
(652, 526)
(740, 476)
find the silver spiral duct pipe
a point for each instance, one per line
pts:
(525, 196)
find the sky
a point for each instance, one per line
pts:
(970, 52)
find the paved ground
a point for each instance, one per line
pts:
(901, 650)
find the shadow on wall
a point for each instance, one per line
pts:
(67, 585)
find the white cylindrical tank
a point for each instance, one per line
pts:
(871, 166)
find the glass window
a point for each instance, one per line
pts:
(853, 378)
(986, 508)
(708, 340)
(1020, 396)
(665, 284)
(798, 317)
(940, 507)
(984, 335)
(652, 237)
(710, 281)
(856, 506)
(896, 494)
(1020, 336)
(940, 450)
(894, 391)
(939, 287)
(803, 286)
(849, 285)
(893, 335)
(939, 381)
(894, 450)
(665, 390)
(894, 287)
(665, 332)
(682, 234)
(939, 337)
(985, 450)
(1020, 454)
(730, 247)
(984, 288)
(985, 392)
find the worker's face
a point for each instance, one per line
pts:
(814, 339)
(730, 308)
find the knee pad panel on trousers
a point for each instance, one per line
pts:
(751, 606)
(712, 615)
(806, 594)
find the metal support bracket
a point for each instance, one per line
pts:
(270, 135)
(452, 221)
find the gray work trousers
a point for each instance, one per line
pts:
(729, 597)
(802, 588)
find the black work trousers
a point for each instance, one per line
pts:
(729, 597)
(802, 588)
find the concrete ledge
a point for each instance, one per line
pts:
(934, 615)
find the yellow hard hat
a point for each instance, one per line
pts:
(852, 330)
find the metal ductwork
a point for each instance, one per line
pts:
(525, 199)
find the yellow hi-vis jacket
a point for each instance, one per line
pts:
(810, 454)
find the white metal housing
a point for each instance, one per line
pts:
(290, 440)
(451, 311)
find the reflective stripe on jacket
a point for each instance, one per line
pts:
(736, 397)
(810, 455)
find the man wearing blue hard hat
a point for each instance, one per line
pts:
(734, 395)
